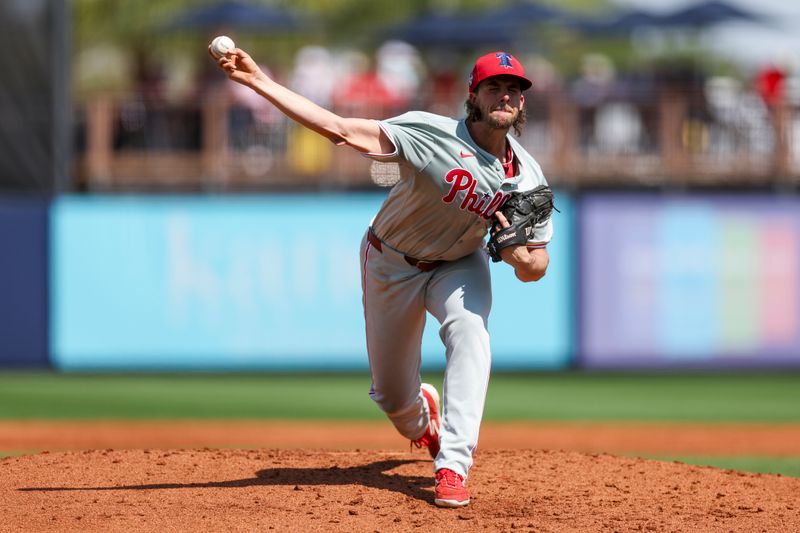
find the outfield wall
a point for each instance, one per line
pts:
(272, 282)
(689, 281)
(23, 282)
(255, 282)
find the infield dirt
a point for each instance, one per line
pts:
(296, 490)
(354, 490)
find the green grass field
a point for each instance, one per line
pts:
(556, 396)
(592, 397)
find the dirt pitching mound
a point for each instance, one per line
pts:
(354, 491)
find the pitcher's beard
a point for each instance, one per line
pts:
(501, 122)
(474, 114)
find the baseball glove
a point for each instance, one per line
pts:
(523, 210)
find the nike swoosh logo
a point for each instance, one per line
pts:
(466, 154)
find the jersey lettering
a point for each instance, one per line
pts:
(463, 180)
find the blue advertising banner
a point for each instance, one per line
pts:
(23, 282)
(233, 283)
(690, 281)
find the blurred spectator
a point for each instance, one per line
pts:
(589, 91)
(445, 85)
(400, 69)
(596, 81)
(684, 81)
(150, 76)
(544, 74)
(740, 120)
(618, 128)
(362, 93)
(160, 114)
(313, 74)
(256, 127)
(724, 96)
(638, 88)
(770, 84)
(547, 83)
(150, 87)
(541, 100)
(180, 80)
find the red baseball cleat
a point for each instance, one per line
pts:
(430, 438)
(450, 489)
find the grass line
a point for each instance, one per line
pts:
(773, 398)
(785, 466)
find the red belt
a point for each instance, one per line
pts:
(425, 266)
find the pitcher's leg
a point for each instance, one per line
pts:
(459, 296)
(395, 318)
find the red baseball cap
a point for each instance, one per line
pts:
(497, 64)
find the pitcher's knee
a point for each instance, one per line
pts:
(393, 402)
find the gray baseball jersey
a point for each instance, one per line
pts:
(439, 210)
(449, 188)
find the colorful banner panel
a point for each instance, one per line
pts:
(690, 281)
(256, 282)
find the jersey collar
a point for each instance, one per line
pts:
(463, 132)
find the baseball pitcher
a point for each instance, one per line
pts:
(425, 250)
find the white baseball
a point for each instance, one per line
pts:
(220, 45)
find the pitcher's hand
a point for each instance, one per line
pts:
(240, 67)
(514, 253)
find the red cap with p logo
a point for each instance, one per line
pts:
(497, 64)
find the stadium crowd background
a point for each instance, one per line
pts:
(617, 101)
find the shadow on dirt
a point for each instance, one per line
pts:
(374, 475)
